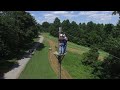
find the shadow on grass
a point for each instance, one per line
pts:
(27, 53)
(40, 47)
(7, 65)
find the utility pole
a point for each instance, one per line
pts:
(58, 56)
(59, 62)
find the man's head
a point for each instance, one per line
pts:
(61, 35)
(64, 35)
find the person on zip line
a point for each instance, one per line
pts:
(65, 42)
(61, 44)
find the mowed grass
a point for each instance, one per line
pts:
(72, 63)
(81, 49)
(39, 67)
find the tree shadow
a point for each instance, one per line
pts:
(27, 54)
(6, 66)
(40, 46)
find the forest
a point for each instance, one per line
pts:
(98, 36)
(17, 31)
(19, 28)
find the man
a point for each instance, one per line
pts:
(61, 44)
(65, 42)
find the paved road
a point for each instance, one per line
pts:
(15, 72)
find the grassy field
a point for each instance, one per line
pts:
(39, 67)
(72, 63)
(80, 48)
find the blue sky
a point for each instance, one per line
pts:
(104, 17)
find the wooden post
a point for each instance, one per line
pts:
(59, 62)
(59, 57)
(60, 30)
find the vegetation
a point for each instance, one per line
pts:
(39, 67)
(81, 49)
(72, 62)
(17, 31)
(104, 37)
(90, 57)
(116, 12)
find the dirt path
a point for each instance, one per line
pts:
(54, 62)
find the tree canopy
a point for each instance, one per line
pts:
(17, 30)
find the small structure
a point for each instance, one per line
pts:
(60, 58)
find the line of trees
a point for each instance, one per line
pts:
(17, 30)
(98, 36)
(102, 36)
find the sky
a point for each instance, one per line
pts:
(104, 17)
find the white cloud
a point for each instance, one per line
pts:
(49, 17)
(70, 15)
(88, 12)
(101, 17)
(90, 15)
(97, 15)
(38, 21)
(60, 12)
(78, 16)
(71, 12)
(33, 14)
(66, 14)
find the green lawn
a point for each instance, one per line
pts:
(81, 49)
(39, 67)
(72, 63)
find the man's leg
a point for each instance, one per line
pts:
(64, 48)
(60, 48)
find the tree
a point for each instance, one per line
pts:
(90, 57)
(116, 12)
(108, 28)
(83, 26)
(111, 68)
(57, 23)
(46, 26)
(56, 26)
(17, 30)
(112, 45)
(52, 30)
(90, 26)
